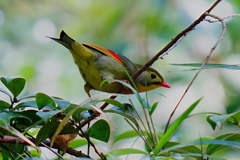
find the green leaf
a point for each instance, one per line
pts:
(124, 113)
(30, 114)
(76, 109)
(126, 151)
(23, 105)
(113, 102)
(4, 105)
(17, 148)
(73, 107)
(63, 104)
(209, 66)
(35, 154)
(182, 150)
(126, 108)
(68, 129)
(80, 114)
(44, 100)
(46, 131)
(198, 156)
(79, 110)
(153, 108)
(70, 110)
(47, 115)
(4, 118)
(219, 142)
(212, 148)
(235, 118)
(218, 120)
(129, 109)
(172, 129)
(78, 143)
(141, 100)
(212, 123)
(127, 134)
(27, 96)
(20, 120)
(100, 130)
(14, 85)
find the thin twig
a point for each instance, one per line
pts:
(200, 69)
(143, 124)
(89, 142)
(88, 145)
(230, 16)
(141, 135)
(139, 117)
(140, 130)
(154, 130)
(26, 151)
(150, 135)
(10, 151)
(14, 140)
(49, 148)
(149, 127)
(153, 133)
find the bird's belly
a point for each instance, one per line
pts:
(94, 76)
(90, 74)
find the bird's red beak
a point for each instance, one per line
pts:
(165, 84)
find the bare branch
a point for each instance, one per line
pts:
(175, 40)
(14, 140)
(227, 17)
(49, 148)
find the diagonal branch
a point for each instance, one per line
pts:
(175, 41)
(160, 54)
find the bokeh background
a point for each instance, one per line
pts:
(137, 29)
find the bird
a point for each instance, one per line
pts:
(97, 64)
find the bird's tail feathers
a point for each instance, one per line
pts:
(64, 39)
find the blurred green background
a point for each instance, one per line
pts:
(138, 29)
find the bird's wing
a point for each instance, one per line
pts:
(104, 51)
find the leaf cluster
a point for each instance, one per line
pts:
(56, 119)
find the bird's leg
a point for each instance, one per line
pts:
(87, 88)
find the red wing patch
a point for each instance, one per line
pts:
(104, 51)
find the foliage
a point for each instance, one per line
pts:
(48, 113)
(136, 29)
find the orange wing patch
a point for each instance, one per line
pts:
(104, 51)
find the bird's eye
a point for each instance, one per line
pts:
(153, 75)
